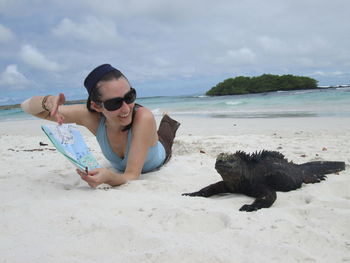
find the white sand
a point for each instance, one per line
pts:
(49, 215)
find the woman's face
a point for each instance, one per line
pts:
(113, 89)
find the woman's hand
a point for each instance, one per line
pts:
(97, 176)
(53, 102)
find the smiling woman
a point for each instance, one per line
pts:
(125, 131)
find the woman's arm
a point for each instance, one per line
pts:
(51, 108)
(144, 136)
(102, 176)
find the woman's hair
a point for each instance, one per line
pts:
(95, 94)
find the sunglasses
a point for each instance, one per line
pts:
(116, 103)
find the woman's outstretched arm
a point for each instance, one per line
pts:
(51, 108)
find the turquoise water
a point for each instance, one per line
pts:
(13, 114)
(302, 103)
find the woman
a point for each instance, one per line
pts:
(126, 131)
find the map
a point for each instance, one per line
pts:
(68, 140)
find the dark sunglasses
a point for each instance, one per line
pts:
(116, 103)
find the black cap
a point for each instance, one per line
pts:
(96, 75)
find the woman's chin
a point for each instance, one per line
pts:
(125, 120)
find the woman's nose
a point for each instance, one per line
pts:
(124, 106)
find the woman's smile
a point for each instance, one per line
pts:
(124, 115)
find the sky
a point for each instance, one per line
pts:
(181, 47)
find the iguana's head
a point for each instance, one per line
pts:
(230, 166)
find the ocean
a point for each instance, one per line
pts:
(333, 102)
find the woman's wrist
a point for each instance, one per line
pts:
(44, 105)
(34, 105)
(115, 179)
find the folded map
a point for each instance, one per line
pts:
(68, 140)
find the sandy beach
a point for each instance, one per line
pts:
(49, 215)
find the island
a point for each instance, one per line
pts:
(264, 83)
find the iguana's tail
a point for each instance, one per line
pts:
(322, 167)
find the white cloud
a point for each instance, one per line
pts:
(96, 31)
(272, 44)
(337, 73)
(242, 55)
(332, 73)
(6, 35)
(319, 73)
(155, 8)
(305, 62)
(11, 78)
(36, 59)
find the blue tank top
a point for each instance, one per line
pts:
(154, 159)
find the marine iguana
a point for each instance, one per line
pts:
(263, 173)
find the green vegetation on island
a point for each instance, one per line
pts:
(263, 83)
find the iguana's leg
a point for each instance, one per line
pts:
(265, 197)
(313, 178)
(210, 190)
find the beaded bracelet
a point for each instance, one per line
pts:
(43, 103)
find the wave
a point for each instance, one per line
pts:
(345, 89)
(234, 103)
(302, 92)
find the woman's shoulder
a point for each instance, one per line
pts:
(144, 126)
(143, 113)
